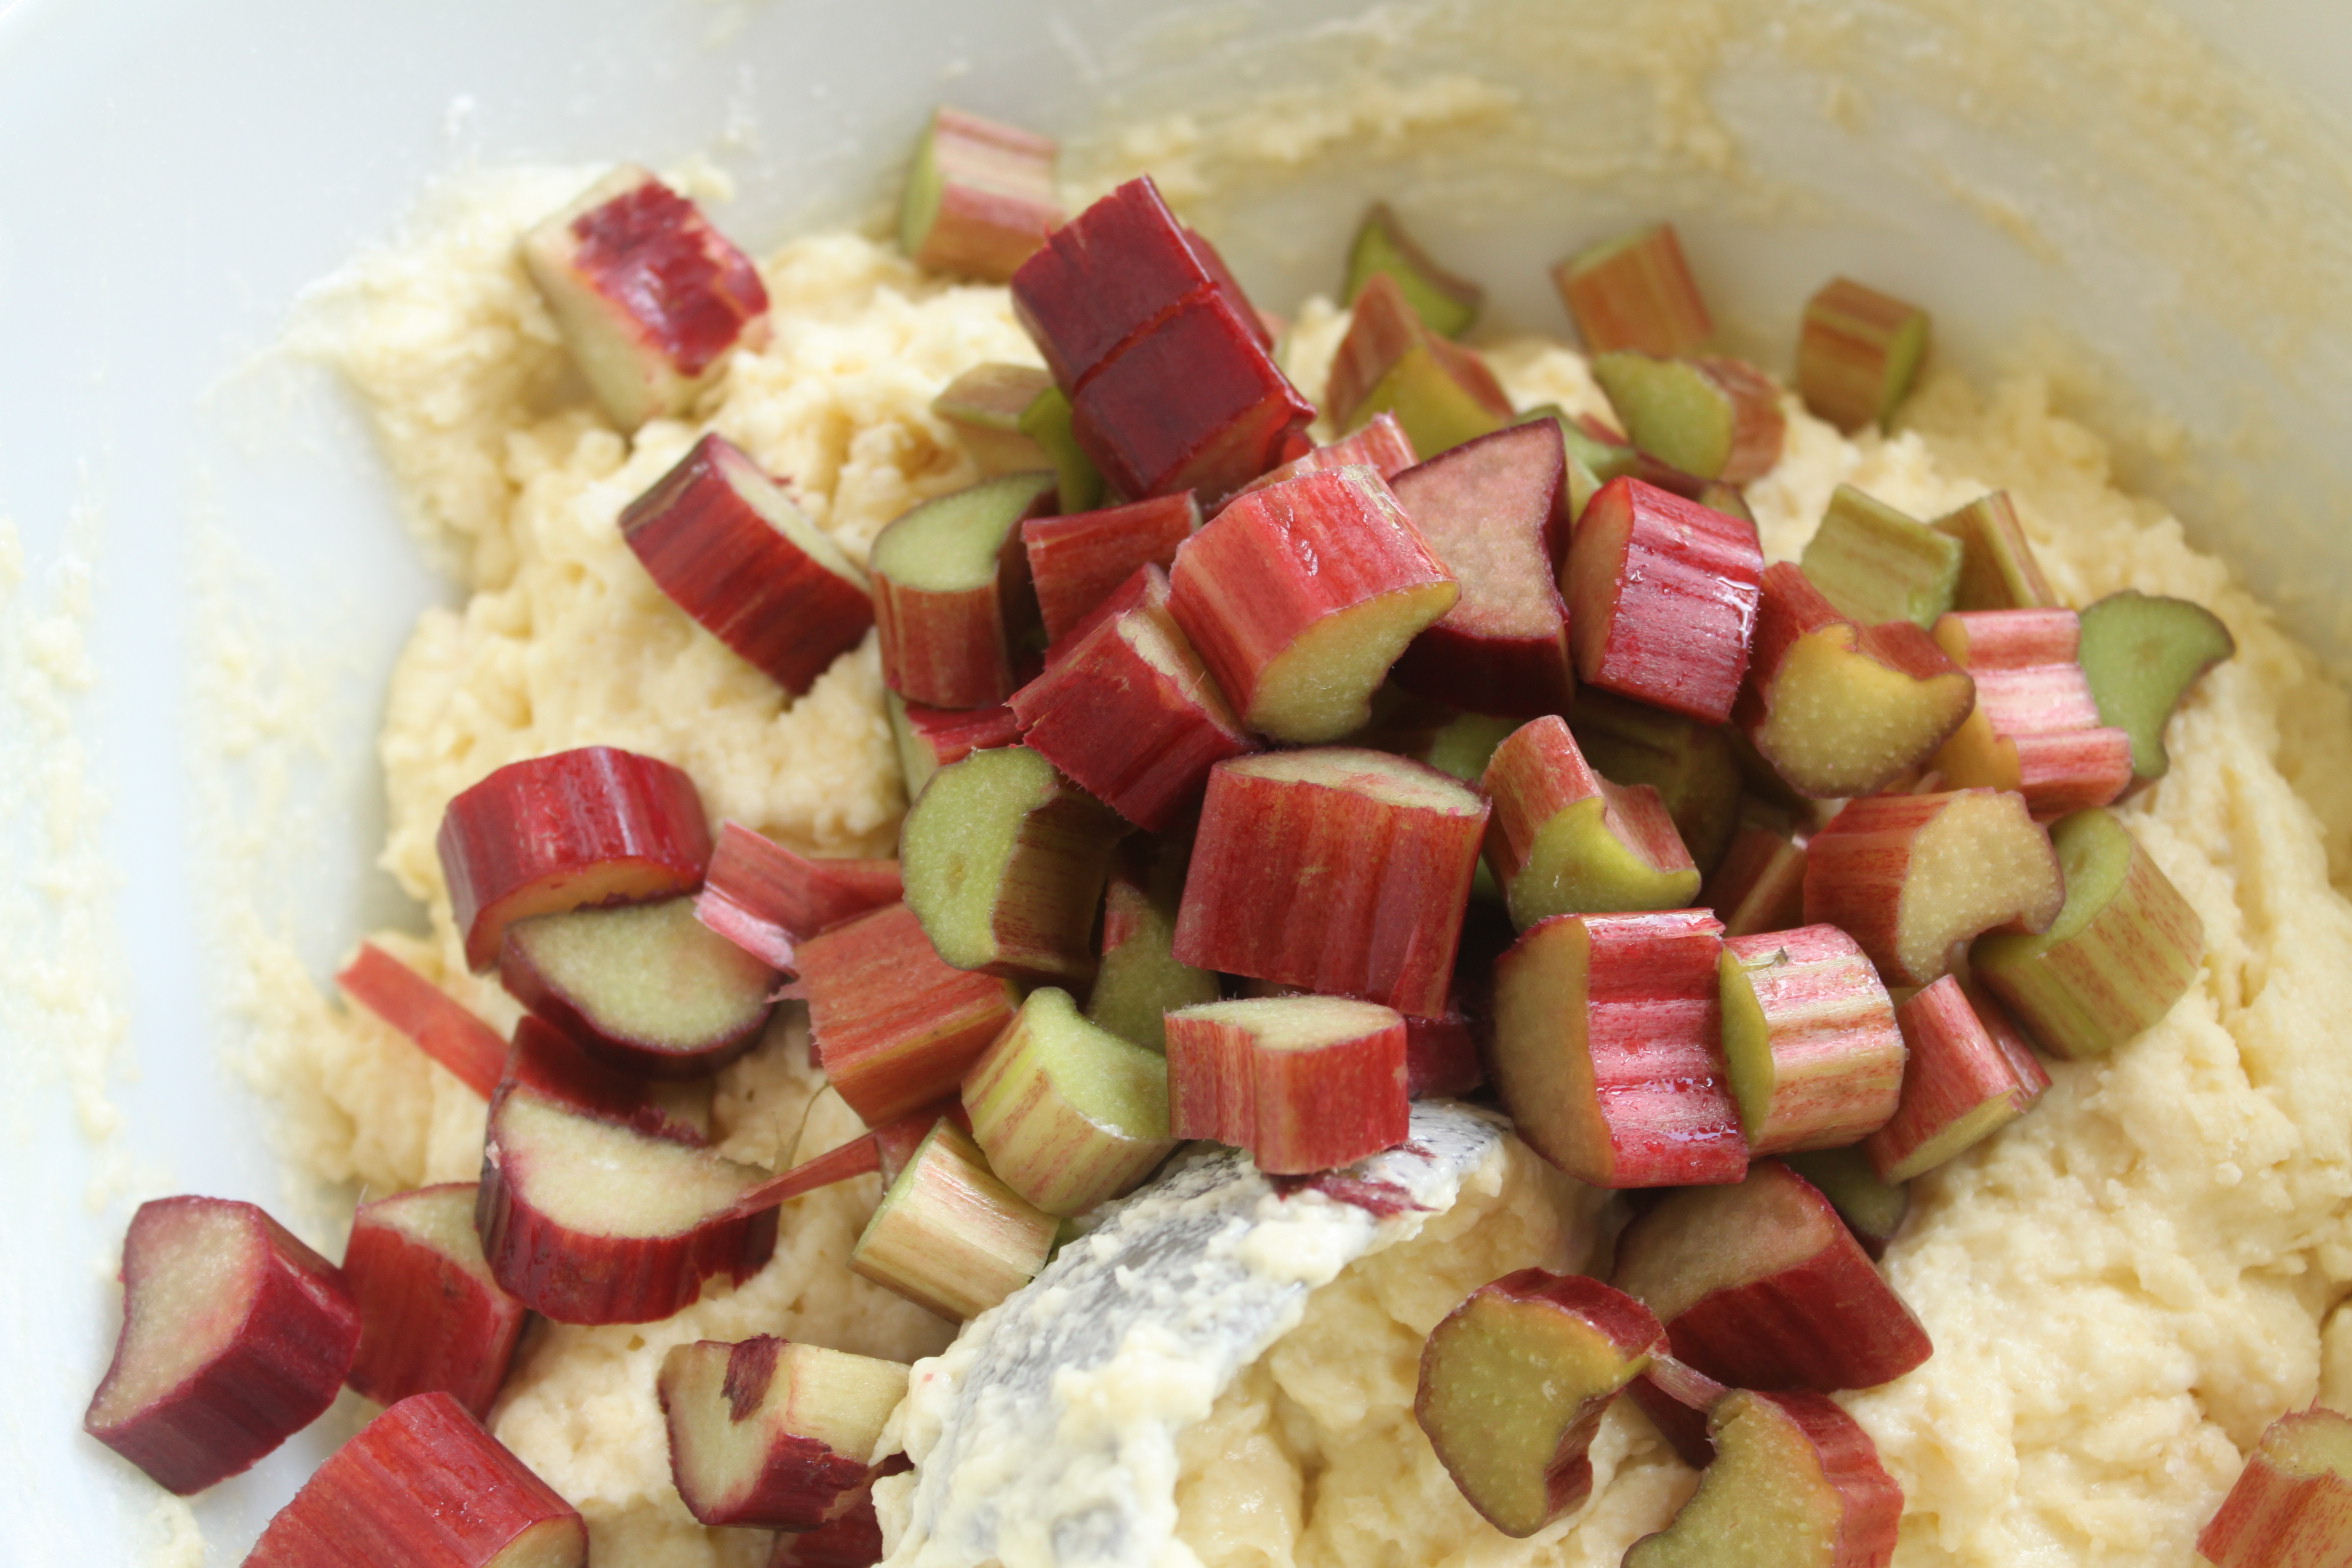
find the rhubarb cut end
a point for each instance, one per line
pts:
(1842, 723)
(2141, 654)
(1319, 689)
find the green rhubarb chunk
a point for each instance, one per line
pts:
(956, 542)
(1578, 865)
(1047, 422)
(1767, 1500)
(1875, 564)
(1693, 766)
(1068, 1113)
(2124, 947)
(925, 187)
(1872, 1207)
(1671, 409)
(1140, 980)
(1465, 743)
(1445, 303)
(1437, 411)
(1998, 570)
(2141, 655)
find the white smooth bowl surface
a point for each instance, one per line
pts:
(204, 578)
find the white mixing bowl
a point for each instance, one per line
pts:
(203, 578)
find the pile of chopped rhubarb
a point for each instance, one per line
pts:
(1271, 766)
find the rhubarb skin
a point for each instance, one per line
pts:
(1635, 292)
(1104, 277)
(235, 1336)
(951, 593)
(1564, 840)
(1304, 1083)
(423, 1486)
(1068, 1113)
(1877, 564)
(1495, 511)
(432, 1316)
(850, 1538)
(1607, 1053)
(1299, 598)
(1442, 1056)
(441, 1026)
(1382, 444)
(1760, 883)
(1858, 352)
(1077, 562)
(1709, 418)
(1760, 1285)
(771, 1434)
(949, 1235)
(1388, 848)
(1837, 709)
(929, 738)
(1998, 568)
(980, 196)
(2292, 1504)
(650, 299)
(1811, 1039)
(1795, 1483)
(2123, 948)
(766, 898)
(596, 825)
(1963, 1084)
(1913, 877)
(548, 1061)
(1130, 714)
(2034, 729)
(588, 1222)
(727, 545)
(1662, 596)
(894, 1025)
(1441, 393)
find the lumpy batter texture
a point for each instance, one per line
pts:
(2122, 1289)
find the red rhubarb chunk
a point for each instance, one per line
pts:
(545, 1059)
(895, 1025)
(2292, 1504)
(2035, 728)
(933, 738)
(1304, 1083)
(727, 545)
(768, 1433)
(766, 898)
(1383, 850)
(1099, 280)
(1381, 445)
(235, 1336)
(1970, 1074)
(442, 1027)
(432, 1316)
(1662, 597)
(980, 198)
(593, 826)
(1077, 562)
(424, 1486)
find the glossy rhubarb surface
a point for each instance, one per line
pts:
(1635, 291)
(1304, 1083)
(1662, 599)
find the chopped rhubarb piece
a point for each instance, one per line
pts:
(1858, 353)
(1447, 303)
(2292, 1504)
(1514, 1383)
(650, 299)
(1913, 877)
(727, 545)
(235, 1336)
(1607, 1053)
(1691, 765)
(1662, 599)
(442, 1027)
(949, 1235)
(1839, 709)
(1564, 840)
(648, 986)
(765, 898)
(1635, 292)
(882, 1152)
(2121, 951)
(1677, 1398)
(1998, 570)
(1441, 393)
(850, 1538)
(1077, 562)
(1140, 980)
(894, 1025)
(930, 738)
(431, 1315)
(1050, 424)
(1304, 1083)
(1004, 862)
(1710, 418)
(1872, 1207)
(1387, 847)
(1105, 277)
(985, 405)
(1760, 884)
(2141, 654)
(1382, 445)
(1602, 453)
(1760, 1285)
(769, 1433)
(1300, 596)
(555, 1064)
(1795, 1483)
(951, 593)
(1809, 1039)
(597, 825)
(1875, 564)
(424, 1486)
(1264, 325)
(2034, 729)
(980, 197)
(589, 1222)
(1963, 1083)
(1129, 713)
(1068, 1113)
(1495, 511)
